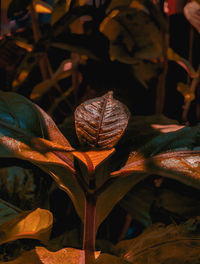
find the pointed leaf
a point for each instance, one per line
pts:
(100, 122)
(159, 244)
(36, 225)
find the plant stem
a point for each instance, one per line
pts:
(160, 90)
(89, 235)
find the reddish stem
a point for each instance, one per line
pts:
(89, 235)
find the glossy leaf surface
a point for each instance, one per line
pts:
(21, 123)
(36, 225)
(100, 122)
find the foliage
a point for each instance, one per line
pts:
(104, 157)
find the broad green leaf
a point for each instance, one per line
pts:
(29, 224)
(7, 211)
(174, 155)
(159, 244)
(100, 122)
(42, 255)
(17, 182)
(20, 122)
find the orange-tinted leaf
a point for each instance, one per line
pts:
(93, 158)
(100, 122)
(42, 255)
(24, 45)
(42, 7)
(36, 225)
(192, 13)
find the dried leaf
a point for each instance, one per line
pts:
(159, 244)
(36, 225)
(100, 122)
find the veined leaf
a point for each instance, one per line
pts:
(172, 155)
(36, 225)
(159, 244)
(42, 255)
(191, 12)
(100, 122)
(20, 122)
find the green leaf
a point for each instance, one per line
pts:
(174, 155)
(159, 244)
(22, 127)
(7, 211)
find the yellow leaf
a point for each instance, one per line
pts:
(42, 7)
(24, 45)
(93, 158)
(30, 224)
(20, 78)
(41, 88)
(112, 14)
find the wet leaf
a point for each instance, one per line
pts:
(29, 224)
(100, 122)
(159, 244)
(42, 255)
